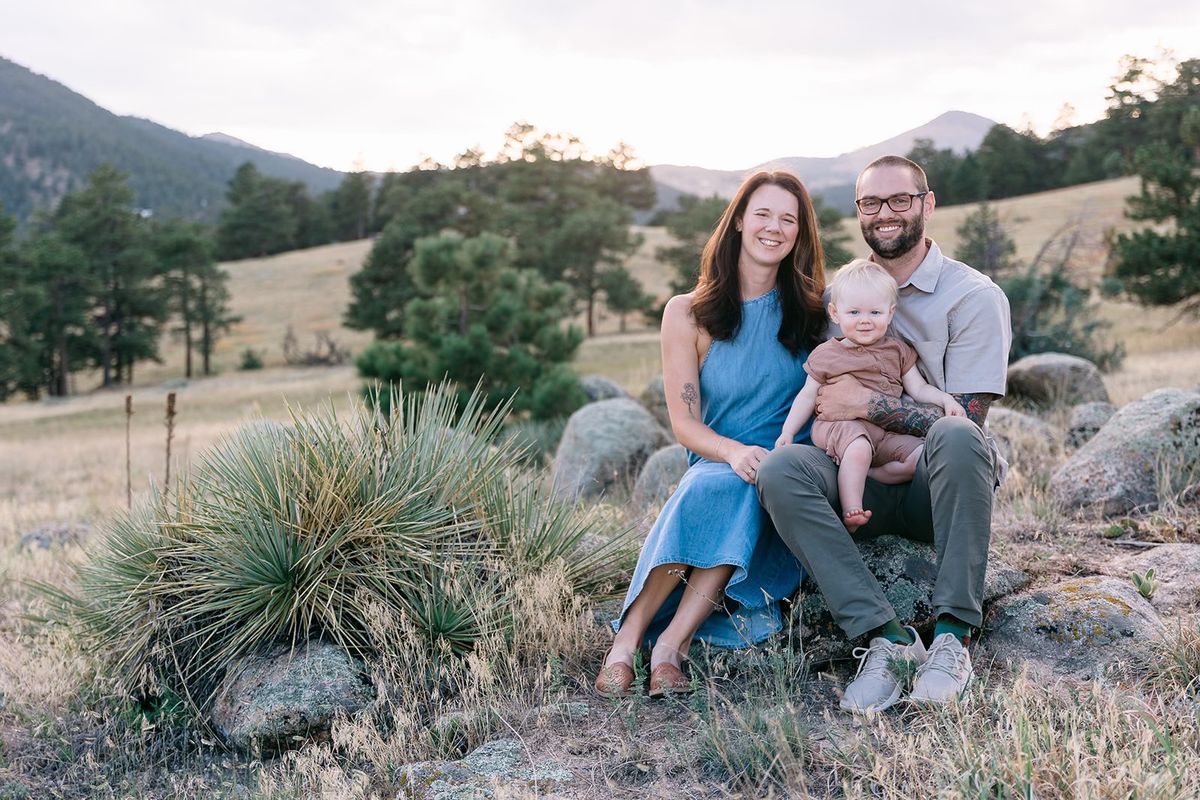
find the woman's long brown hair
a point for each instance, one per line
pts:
(717, 304)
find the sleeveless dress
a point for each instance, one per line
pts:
(747, 385)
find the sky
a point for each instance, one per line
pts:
(382, 84)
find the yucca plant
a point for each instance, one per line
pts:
(286, 532)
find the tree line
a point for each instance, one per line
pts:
(94, 285)
(1143, 108)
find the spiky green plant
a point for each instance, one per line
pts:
(286, 532)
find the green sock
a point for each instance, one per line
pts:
(947, 623)
(893, 631)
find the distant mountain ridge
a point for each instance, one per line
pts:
(957, 130)
(51, 138)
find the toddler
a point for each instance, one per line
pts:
(862, 300)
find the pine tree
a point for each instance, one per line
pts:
(196, 288)
(983, 242)
(623, 293)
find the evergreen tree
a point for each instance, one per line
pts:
(690, 225)
(61, 295)
(129, 304)
(350, 207)
(260, 219)
(1161, 265)
(480, 321)
(196, 288)
(983, 242)
(834, 238)
(586, 241)
(623, 293)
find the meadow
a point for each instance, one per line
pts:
(766, 723)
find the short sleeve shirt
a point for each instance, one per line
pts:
(958, 321)
(880, 366)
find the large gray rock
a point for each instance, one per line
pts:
(1086, 421)
(1176, 568)
(598, 387)
(1075, 628)
(1056, 379)
(604, 446)
(277, 699)
(1119, 469)
(906, 571)
(660, 476)
(1026, 442)
(654, 398)
(502, 764)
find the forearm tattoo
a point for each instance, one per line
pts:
(902, 416)
(908, 416)
(976, 406)
(690, 396)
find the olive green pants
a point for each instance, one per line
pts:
(948, 503)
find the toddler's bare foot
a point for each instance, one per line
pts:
(855, 518)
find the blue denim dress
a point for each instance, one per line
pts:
(747, 385)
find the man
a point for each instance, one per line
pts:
(958, 321)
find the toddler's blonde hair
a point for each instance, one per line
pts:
(861, 273)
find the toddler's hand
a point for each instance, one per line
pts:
(952, 408)
(784, 439)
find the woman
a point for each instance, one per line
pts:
(733, 354)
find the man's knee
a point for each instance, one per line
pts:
(956, 436)
(788, 466)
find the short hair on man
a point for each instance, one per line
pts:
(897, 161)
(863, 274)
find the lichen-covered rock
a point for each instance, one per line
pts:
(906, 571)
(660, 476)
(1075, 628)
(1086, 421)
(279, 698)
(1025, 441)
(654, 398)
(1177, 570)
(604, 446)
(1119, 469)
(59, 534)
(598, 387)
(499, 763)
(1056, 379)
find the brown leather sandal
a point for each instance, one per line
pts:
(668, 679)
(615, 680)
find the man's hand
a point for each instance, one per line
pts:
(842, 398)
(952, 408)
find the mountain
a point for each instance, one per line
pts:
(829, 177)
(51, 138)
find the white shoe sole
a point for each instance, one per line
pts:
(961, 698)
(887, 703)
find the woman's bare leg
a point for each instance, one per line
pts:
(659, 584)
(704, 593)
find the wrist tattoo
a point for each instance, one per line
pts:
(976, 406)
(690, 396)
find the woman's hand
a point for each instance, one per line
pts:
(745, 458)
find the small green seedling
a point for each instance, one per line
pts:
(904, 671)
(1146, 584)
(1114, 531)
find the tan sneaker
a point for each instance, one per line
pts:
(945, 675)
(877, 685)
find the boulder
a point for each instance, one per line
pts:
(906, 571)
(500, 764)
(1177, 570)
(1025, 441)
(279, 698)
(604, 446)
(598, 387)
(58, 534)
(1119, 469)
(1075, 628)
(1086, 421)
(1056, 379)
(654, 398)
(660, 476)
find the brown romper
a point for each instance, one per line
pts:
(880, 368)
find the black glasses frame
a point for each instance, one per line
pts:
(911, 197)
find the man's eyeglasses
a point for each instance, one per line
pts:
(897, 202)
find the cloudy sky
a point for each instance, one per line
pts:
(716, 83)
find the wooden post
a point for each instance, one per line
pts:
(170, 433)
(128, 468)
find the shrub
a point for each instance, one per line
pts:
(287, 532)
(251, 359)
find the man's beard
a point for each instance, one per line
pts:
(912, 233)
